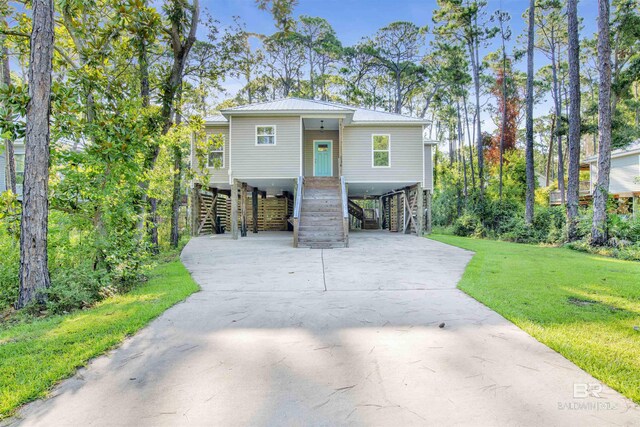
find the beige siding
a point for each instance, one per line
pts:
(428, 168)
(281, 160)
(406, 154)
(624, 172)
(309, 137)
(220, 175)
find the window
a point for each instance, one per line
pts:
(216, 155)
(265, 135)
(19, 168)
(381, 151)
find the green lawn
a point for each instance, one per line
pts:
(583, 306)
(35, 356)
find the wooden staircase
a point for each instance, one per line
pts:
(321, 216)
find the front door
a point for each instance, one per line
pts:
(322, 158)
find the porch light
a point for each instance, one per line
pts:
(321, 125)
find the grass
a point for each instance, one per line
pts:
(583, 306)
(35, 356)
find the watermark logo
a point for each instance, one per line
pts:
(585, 390)
(590, 391)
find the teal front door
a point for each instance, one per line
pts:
(322, 158)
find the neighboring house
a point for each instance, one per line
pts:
(624, 179)
(311, 162)
(19, 159)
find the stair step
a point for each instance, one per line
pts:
(320, 234)
(323, 245)
(322, 228)
(322, 210)
(320, 221)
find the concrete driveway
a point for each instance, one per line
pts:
(283, 336)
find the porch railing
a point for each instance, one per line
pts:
(555, 197)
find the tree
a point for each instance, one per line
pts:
(461, 21)
(599, 233)
(316, 34)
(551, 23)
(530, 193)
(395, 49)
(182, 26)
(505, 34)
(34, 269)
(10, 176)
(286, 57)
(281, 10)
(573, 185)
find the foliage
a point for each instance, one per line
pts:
(583, 306)
(35, 354)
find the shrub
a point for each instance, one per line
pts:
(466, 225)
(72, 289)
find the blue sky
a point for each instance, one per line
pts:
(355, 19)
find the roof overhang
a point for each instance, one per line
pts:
(615, 155)
(391, 123)
(303, 113)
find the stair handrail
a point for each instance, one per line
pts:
(345, 202)
(345, 211)
(298, 204)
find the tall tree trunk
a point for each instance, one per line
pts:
(172, 85)
(476, 82)
(550, 152)
(34, 270)
(10, 174)
(177, 178)
(530, 171)
(558, 113)
(469, 138)
(504, 106)
(599, 232)
(464, 161)
(573, 188)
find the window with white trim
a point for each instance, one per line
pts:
(381, 146)
(216, 154)
(265, 135)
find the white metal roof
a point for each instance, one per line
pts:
(357, 115)
(364, 115)
(217, 119)
(632, 149)
(290, 104)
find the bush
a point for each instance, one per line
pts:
(84, 266)
(72, 289)
(466, 225)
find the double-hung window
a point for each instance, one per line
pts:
(266, 135)
(381, 150)
(216, 155)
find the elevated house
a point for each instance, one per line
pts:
(317, 169)
(624, 179)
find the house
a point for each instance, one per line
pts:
(19, 160)
(319, 169)
(624, 179)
